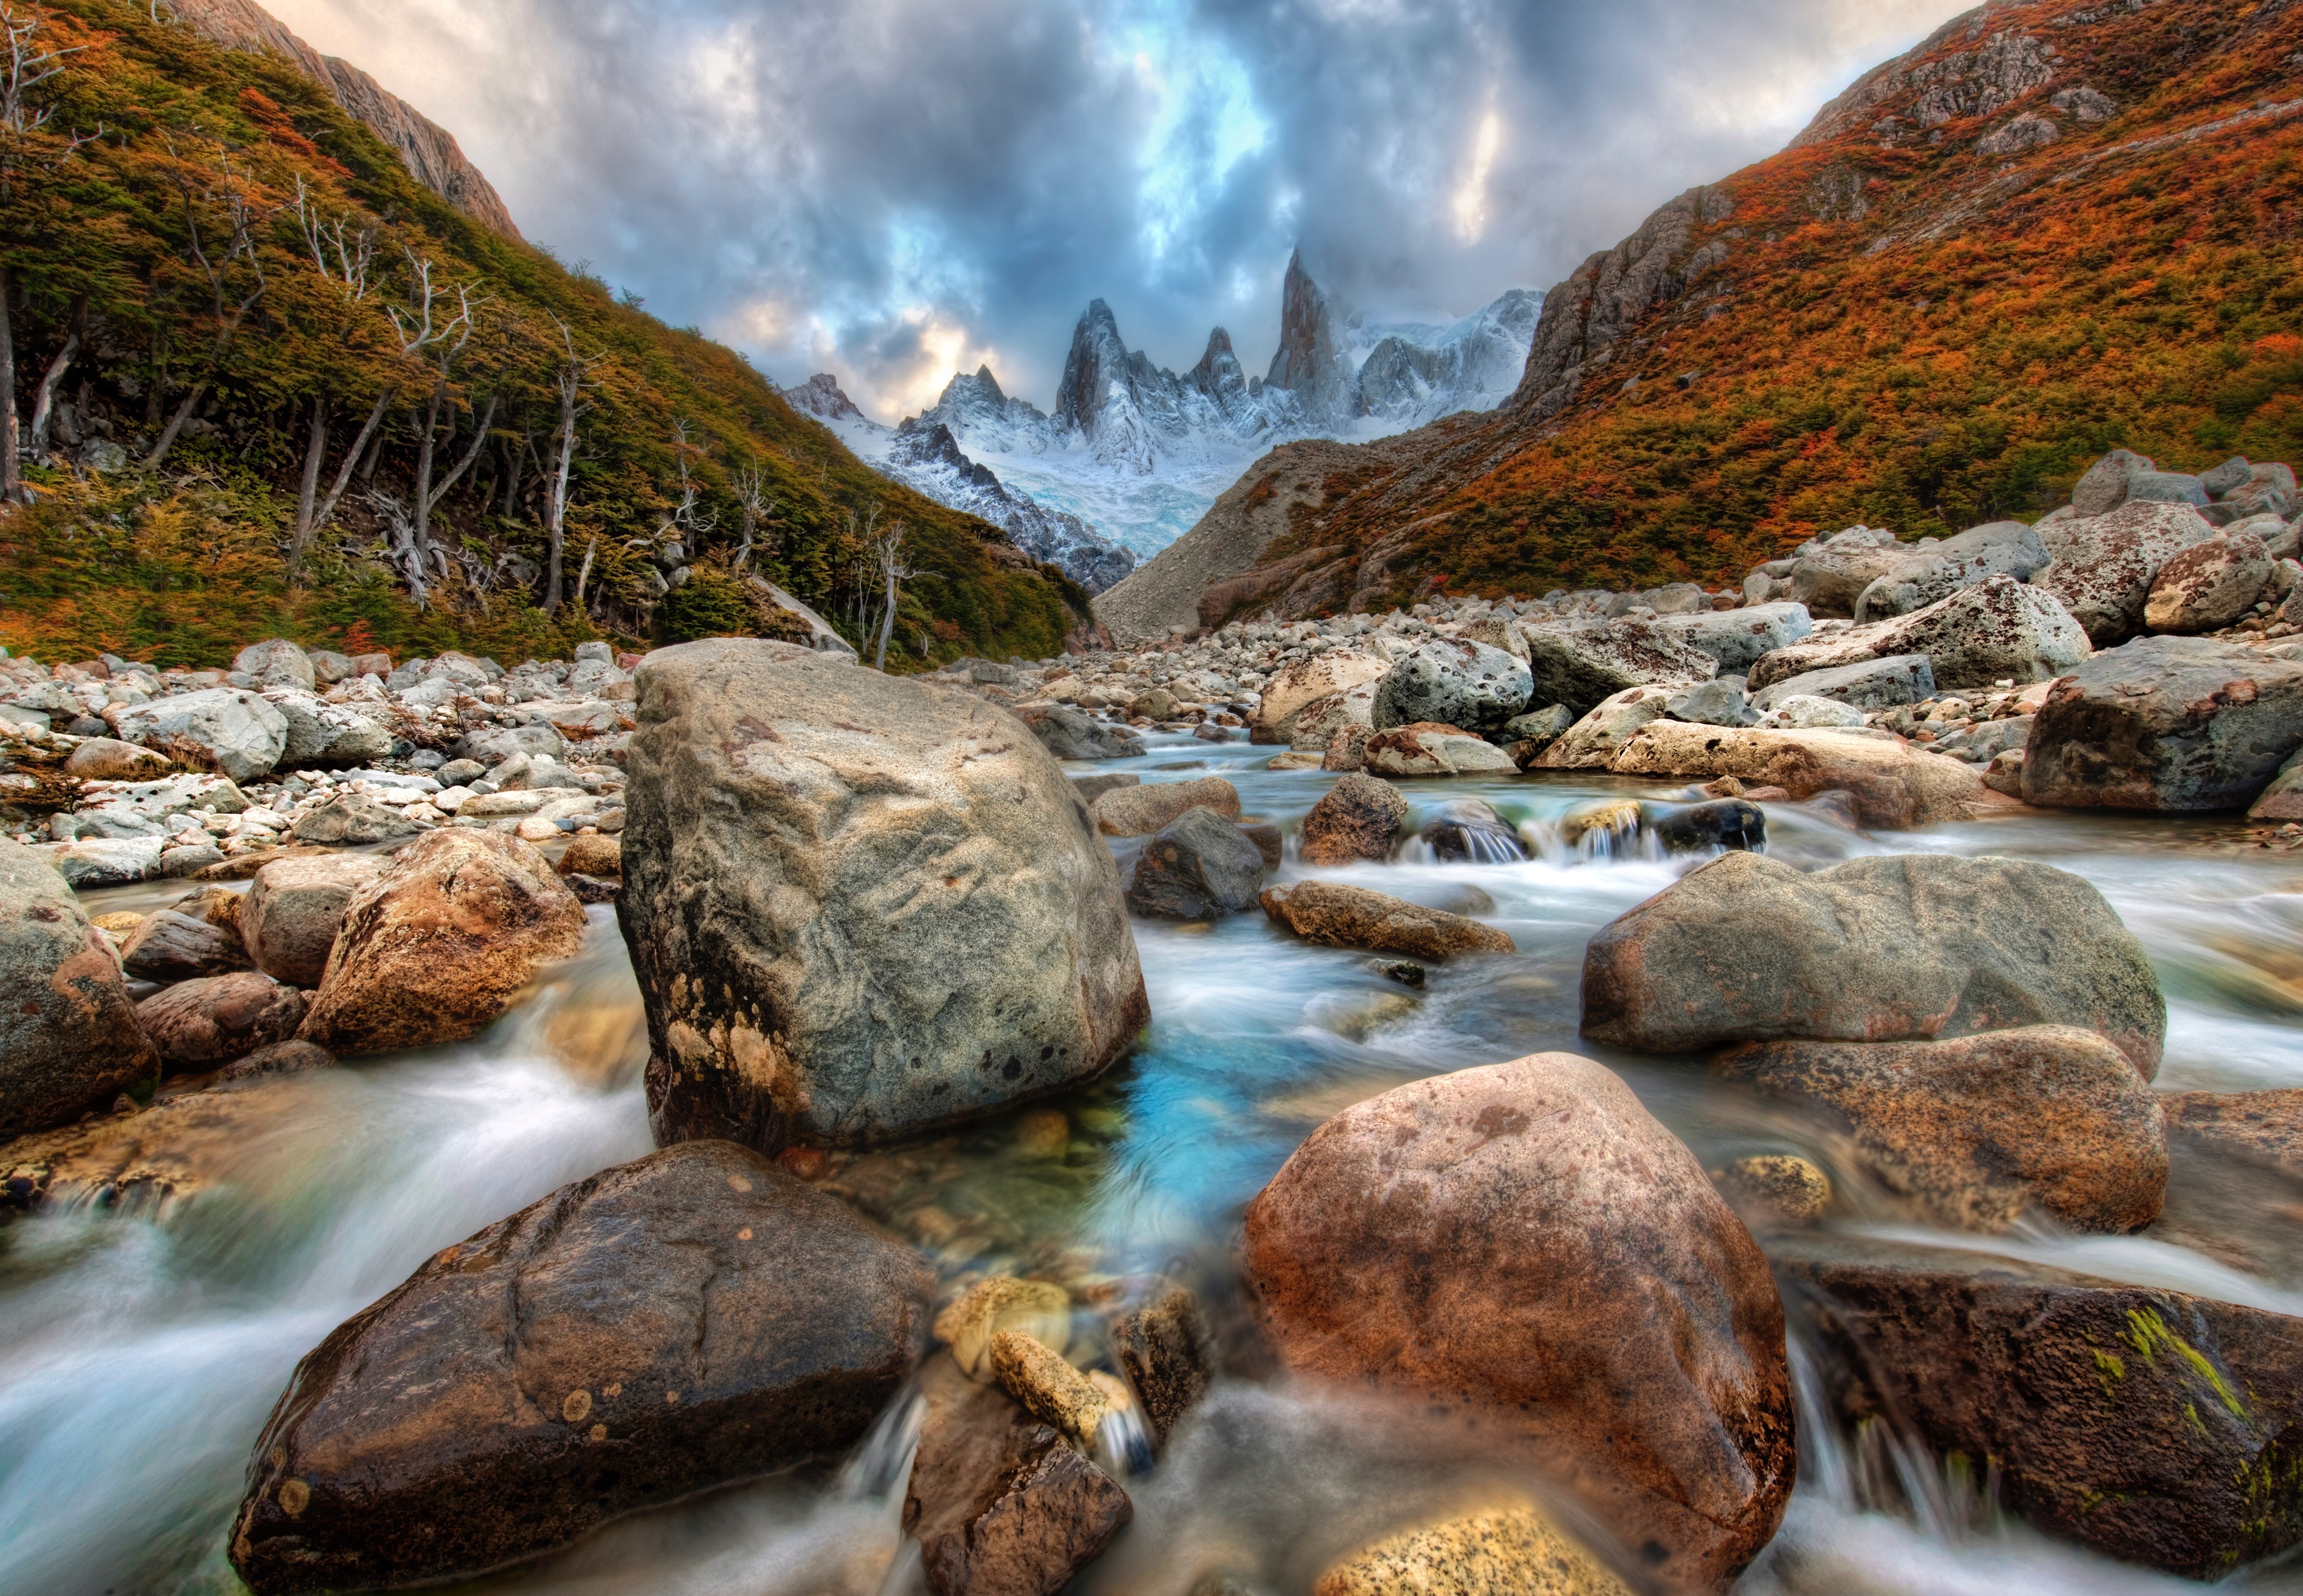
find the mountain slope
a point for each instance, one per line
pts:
(291, 327)
(2048, 230)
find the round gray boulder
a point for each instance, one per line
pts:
(69, 1040)
(1454, 683)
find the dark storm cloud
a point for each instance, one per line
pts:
(893, 188)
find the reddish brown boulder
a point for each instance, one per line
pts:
(1358, 818)
(294, 908)
(2260, 1127)
(1140, 811)
(598, 855)
(440, 943)
(1977, 1130)
(220, 1017)
(1525, 1246)
(694, 1317)
(1340, 916)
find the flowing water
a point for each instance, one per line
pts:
(145, 1343)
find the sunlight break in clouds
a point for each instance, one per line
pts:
(1471, 199)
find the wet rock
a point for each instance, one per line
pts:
(108, 759)
(1092, 787)
(1340, 916)
(595, 855)
(1613, 820)
(1975, 1131)
(1270, 842)
(846, 936)
(226, 729)
(1305, 682)
(995, 1305)
(1592, 741)
(1360, 818)
(295, 908)
(2207, 587)
(2104, 565)
(1429, 749)
(1164, 1349)
(2165, 724)
(1736, 639)
(2281, 798)
(1891, 786)
(276, 663)
(1999, 548)
(2151, 1425)
(275, 1059)
(186, 1143)
(441, 942)
(1469, 831)
(1891, 948)
(1046, 1387)
(1720, 702)
(218, 1018)
(1502, 1551)
(1996, 630)
(69, 1040)
(1068, 734)
(1524, 1246)
(1452, 682)
(1733, 823)
(1195, 867)
(345, 818)
(171, 945)
(107, 861)
(997, 1500)
(1140, 811)
(1770, 1190)
(1541, 727)
(1866, 685)
(1315, 725)
(1582, 665)
(694, 1317)
(2260, 1126)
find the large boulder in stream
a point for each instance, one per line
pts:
(1891, 785)
(1452, 682)
(69, 1040)
(2105, 564)
(441, 942)
(1293, 689)
(1524, 1246)
(2165, 724)
(1337, 915)
(859, 906)
(225, 728)
(1997, 629)
(295, 908)
(1581, 664)
(1197, 866)
(2154, 1426)
(695, 1317)
(1891, 948)
(1360, 818)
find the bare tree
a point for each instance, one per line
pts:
(887, 555)
(574, 379)
(354, 248)
(427, 332)
(757, 503)
(686, 523)
(237, 244)
(28, 65)
(311, 516)
(43, 404)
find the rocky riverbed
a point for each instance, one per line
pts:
(1496, 1097)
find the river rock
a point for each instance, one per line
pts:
(171, 945)
(1720, 702)
(1304, 682)
(1998, 548)
(1829, 577)
(1523, 1245)
(1733, 823)
(1140, 811)
(1093, 787)
(1469, 829)
(1360, 818)
(596, 856)
(1794, 712)
(1997, 629)
(1889, 948)
(1196, 867)
(347, 818)
(2165, 724)
(1592, 741)
(2104, 565)
(186, 1143)
(999, 1305)
(1340, 916)
(493, 747)
(439, 943)
(1582, 665)
(1866, 685)
(1892, 785)
(276, 663)
(1430, 748)
(1068, 734)
(328, 736)
(848, 935)
(1977, 1130)
(2154, 1426)
(1736, 639)
(218, 1018)
(69, 1040)
(2263, 1128)
(2207, 587)
(1163, 1347)
(1497, 1551)
(2102, 488)
(999, 1503)
(1455, 683)
(295, 908)
(227, 729)
(695, 1317)
(1046, 1387)
(108, 759)
(1313, 727)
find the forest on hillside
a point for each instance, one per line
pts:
(265, 383)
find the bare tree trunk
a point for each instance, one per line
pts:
(11, 488)
(44, 408)
(352, 455)
(368, 461)
(423, 507)
(556, 523)
(585, 575)
(511, 477)
(167, 434)
(315, 451)
(888, 620)
(480, 441)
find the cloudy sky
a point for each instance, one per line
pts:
(894, 190)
